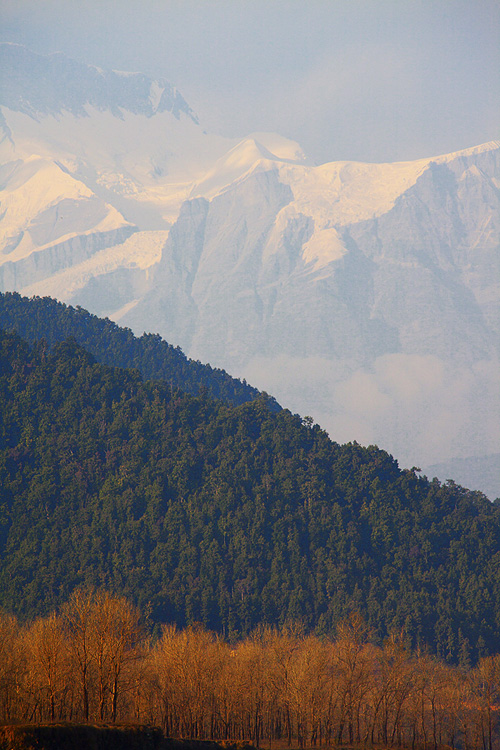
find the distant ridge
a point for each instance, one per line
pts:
(44, 84)
(45, 318)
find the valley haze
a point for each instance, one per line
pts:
(365, 295)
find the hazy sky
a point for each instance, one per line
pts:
(374, 80)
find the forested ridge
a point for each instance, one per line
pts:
(227, 516)
(38, 318)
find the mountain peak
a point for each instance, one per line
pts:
(41, 85)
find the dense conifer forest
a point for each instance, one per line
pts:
(228, 516)
(45, 318)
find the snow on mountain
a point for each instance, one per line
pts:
(39, 85)
(126, 266)
(366, 295)
(247, 156)
(377, 315)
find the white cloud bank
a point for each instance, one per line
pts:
(416, 407)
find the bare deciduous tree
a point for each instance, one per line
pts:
(106, 636)
(47, 656)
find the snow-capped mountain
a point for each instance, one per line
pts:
(366, 295)
(36, 85)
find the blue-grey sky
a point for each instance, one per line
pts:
(374, 80)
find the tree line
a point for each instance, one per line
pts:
(95, 660)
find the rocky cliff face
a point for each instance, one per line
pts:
(439, 247)
(365, 295)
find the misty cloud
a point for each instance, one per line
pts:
(420, 408)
